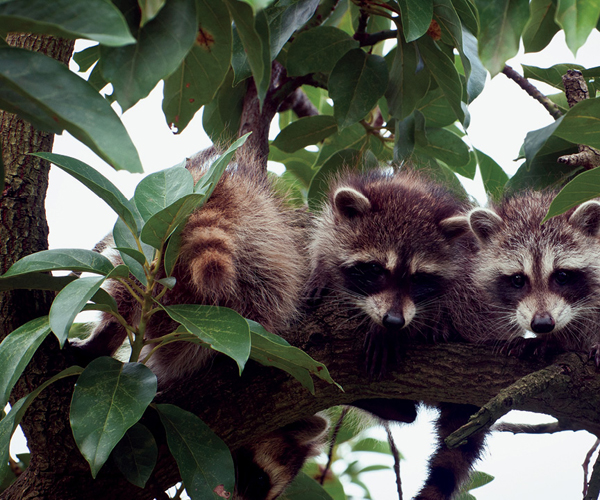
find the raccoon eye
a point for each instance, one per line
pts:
(517, 280)
(562, 277)
(368, 270)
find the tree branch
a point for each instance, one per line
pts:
(528, 87)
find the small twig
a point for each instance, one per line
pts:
(396, 456)
(549, 428)
(299, 103)
(507, 399)
(528, 87)
(586, 465)
(593, 487)
(576, 90)
(336, 430)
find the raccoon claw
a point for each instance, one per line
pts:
(531, 348)
(376, 359)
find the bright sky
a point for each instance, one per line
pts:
(526, 467)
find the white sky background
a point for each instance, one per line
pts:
(526, 467)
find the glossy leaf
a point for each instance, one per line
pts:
(502, 22)
(108, 399)
(299, 163)
(353, 137)
(285, 18)
(32, 86)
(304, 487)
(161, 225)
(86, 58)
(69, 303)
(436, 109)
(271, 350)
(583, 188)
(68, 259)
(92, 19)
(136, 454)
(254, 45)
(221, 117)
(577, 18)
(468, 14)
(446, 146)
(204, 461)
(540, 27)
(551, 76)
(97, 183)
(356, 83)
(125, 239)
(581, 125)
(477, 74)
(416, 17)
(444, 72)
(222, 328)
(319, 186)
(162, 44)
(150, 8)
(157, 191)
(16, 350)
(318, 50)
(409, 80)
(10, 422)
(494, 178)
(304, 132)
(203, 70)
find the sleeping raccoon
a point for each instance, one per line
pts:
(385, 246)
(238, 251)
(533, 279)
(266, 468)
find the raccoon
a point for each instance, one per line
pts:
(530, 279)
(265, 468)
(385, 247)
(239, 250)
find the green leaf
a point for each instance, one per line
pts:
(540, 28)
(444, 72)
(136, 454)
(159, 190)
(494, 178)
(254, 45)
(162, 44)
(317, 50)
(468, 15)
(222, 116)
(69, 259)
(35, 281)
(446, 146)
(304, 487)
(150, 9)
(476, 74)
(416, 17)
(552, 76)
(581, 124)
(108, 399)
(97, 183)
(2, 174)
(436, 109)
(92, 19)
(203, 70)
(355, 85)
(353, 137)
(125, 239)
(409, 80)
(86, 58)
(16, 350)
(373, 445)
(477, 479)
(502, 22)
(10, 422)
(161, 225)
(285, 18)
(69, 303)
(271, 350)
(583, 188)
(203, 458)
(220, 327)
(50, 96)
(577, 18)
(172, 250)
(338, 162)
(304, 132)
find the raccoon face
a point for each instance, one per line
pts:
(542, 279)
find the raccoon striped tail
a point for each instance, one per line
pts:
(448, 469)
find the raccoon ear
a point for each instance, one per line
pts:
(484, 223)
(349, 202)
(454, 227)
(587, 218)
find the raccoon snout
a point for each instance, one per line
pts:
(393, 321)
(542, 323)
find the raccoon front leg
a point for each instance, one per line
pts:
(449, 468)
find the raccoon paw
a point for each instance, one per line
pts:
(595, 354)
(382, 352)
(531, 348)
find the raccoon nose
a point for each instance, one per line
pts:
(542, 323)
(393, 321)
